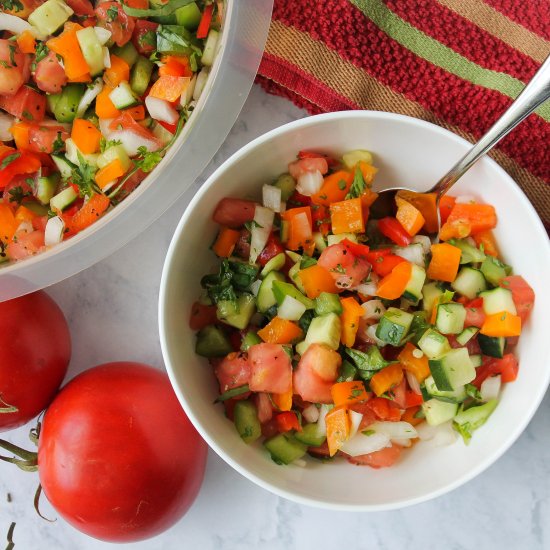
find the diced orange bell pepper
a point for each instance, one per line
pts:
(444, 263)
(20, 133)
(109, 173)
(225, 242)
(425, 204)
(393, 285)
(26, 42)
(418, 366)
(347, 217)
(104, 107)
(368, 171)
(118, 72)
(338, 428)
(317, 279)
(280, 331)
(488, 241)
(8, 225)
(175, 66)
(24, 214)
(409, 216)
(446, 204)
(300, 229)
(501, 324)
(349, 318)
(168, 88)
(66, 45)
(90, 212)
(86, 136)
(283, 401)
(480, 217)
(386, 379)
(334, 189)
(347, 393)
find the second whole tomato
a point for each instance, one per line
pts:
(117, 457)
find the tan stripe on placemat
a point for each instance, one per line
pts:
(324, 64)
(492, 21)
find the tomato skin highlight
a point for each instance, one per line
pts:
(35, 349)
(118, 459)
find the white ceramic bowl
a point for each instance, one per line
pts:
(245, 27)
(409, 152)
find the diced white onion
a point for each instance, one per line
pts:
(309, 183)
(371, 333)
(16, 25)
(260, 231)
(413, 382)
(321, 422)
(271, 197)
(300, 462)
(370, 288)
(374, 309)
(160, 109)
(311, 414)
(255, 287)
(439, 436)
(103, 35)
(413, 253)
(394, 430)
(355, 422)
(89, 95)
(188, 89)
(161, 133)
(130, 141)
(465, 199)
(402, 442)
(424, 241)
(291, 309)
(361, 444)
(490, 388)
(200, 83)
(53, 233)
(302, 225)
(6, 122)
(106, 57)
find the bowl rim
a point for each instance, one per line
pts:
(290, 127)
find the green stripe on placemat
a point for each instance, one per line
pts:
(437, 53)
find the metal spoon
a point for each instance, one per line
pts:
(536, 92)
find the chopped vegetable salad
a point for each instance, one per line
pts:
(339, 326)
(92, 94)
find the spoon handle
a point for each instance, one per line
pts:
(536, 92)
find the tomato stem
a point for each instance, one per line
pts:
(11, 544)
(6, 407)
(37, 503)
(27, 460)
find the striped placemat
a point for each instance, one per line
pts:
(456, 63)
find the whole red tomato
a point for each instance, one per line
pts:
(117, 456)
(35, 349)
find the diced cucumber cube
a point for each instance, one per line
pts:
(325, 329)
(452, 396)
(438, 412)
(470, 254)
(494, 270)
(246, 307)
(351, 158)
(413, 290)
(64, 166)
(63, 199)
(450, 318)
(319, 240)
(92, 49)
(127, 52)
(189, 16)
(452, 370)
(282, 289)
(50, 16)
(430, 293)
(465, 422)
(498, 300)
(274, 264)
(310, 436)
(469, 282)
(212, 342)
(246, 421)
(285, 449)
(433, 344)
(466, 335)
(250, 339)
(476, 360)
(266, 297)
(123, 96)
(327, 302)
(209, 50)
(293, 274)
(287, 184)
(141, 75)
(394, 326)
(115, 152)
(46, 186)
(335, 239)
(492, 345)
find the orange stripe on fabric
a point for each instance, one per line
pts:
(494, 22)
(296, 48)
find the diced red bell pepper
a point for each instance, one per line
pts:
(392, 229)
(287, 421)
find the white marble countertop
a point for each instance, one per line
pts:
(112, 312)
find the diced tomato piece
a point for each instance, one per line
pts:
(14, 67)
(39, 223)
(474, 315)
(264, 407)
(346, 269)
(234, 212)
(42, 138)
(271, 368)
(299, 167)
(357, 249)
(233, 371)
(16, 163)
(383, 261)
(310, 155)
(81, 7)
(316, 373)
(272, 249)
(392, 229)
(144, 37)
(25, 244)
(121, 25)
(49, 75)
(522, 294)
(26, 104)
(384, 409)
(201, 316)
(297, 199)
(18, 186)
(320, 216)
(507, 367)
(398, 394)
(379, 459)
